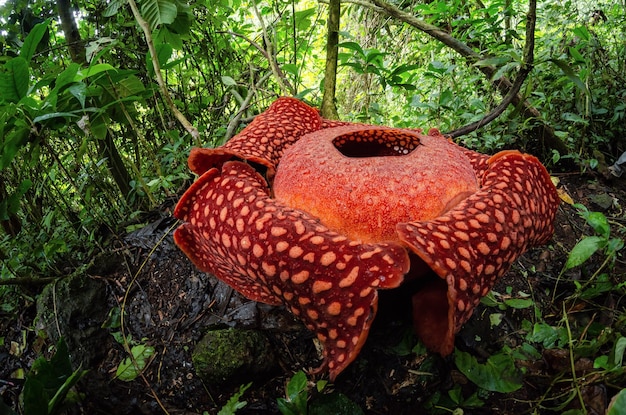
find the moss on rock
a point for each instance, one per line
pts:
(233, 356)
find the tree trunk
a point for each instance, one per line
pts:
(329, 109)
(72, 35)
(107, 147)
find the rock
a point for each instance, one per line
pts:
(75, 308)
(233, 356)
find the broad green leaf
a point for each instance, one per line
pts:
(583, 250)
(497, 374)
(12, 144)
(504, 69)
(519, 303)
(574, 118)
(48, 382)
(296, 385)
(618, 351)
(547, 335)
(494, 61)
(578, 57)
(98, 126)
(66, 77)
(614, 245)
(158, 12)
(93, 70)
(14, 80)
(52, 115)
(297, 395)
(181, 26)
(164, 53)
(113, 7)
(569, 72)
(228, 81)
(32, 40)
(599, 223)
(129, 86)
(618, 404)
(130, 368)
(170, 37)
(582, 32)
(79, 91)
(353, 46)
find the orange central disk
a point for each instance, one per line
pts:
(361, 180)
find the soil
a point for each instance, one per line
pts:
(168, 304)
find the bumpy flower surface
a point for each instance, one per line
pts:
(347, 209)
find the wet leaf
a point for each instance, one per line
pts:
(618, 404)
(583, 250)
(497, 374)
(519, 303)
(130, 368)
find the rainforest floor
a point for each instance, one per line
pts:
(168, 305)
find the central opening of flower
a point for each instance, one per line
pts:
(377, 143)
(354, 181)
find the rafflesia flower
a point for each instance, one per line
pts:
(318, 215)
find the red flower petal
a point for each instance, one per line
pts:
(476, 242)
(275, 254)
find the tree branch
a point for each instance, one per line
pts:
(329, 109)
(522, 74)
(232, 125)
(159, 77)
(542, 131)
(283, 83)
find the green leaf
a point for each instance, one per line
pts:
(583, 250)
(599, 223)
(113, 7)
(569, 72)
(519, 303)
(159, 12)
(14, 80)
(618, 352)
(296, 385)
(228, 81)
(13, 142)
(79, 91)
(130, 368)
(52, 115)
(32, 40)
(497, 374)
(297, 395)
(494, 61)
(547, 335)
(582, 32)
(618, 404)
(66, 77)
(233, 403)
(93, 70)
(48, 382)
(353, 46)
(504, 69)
